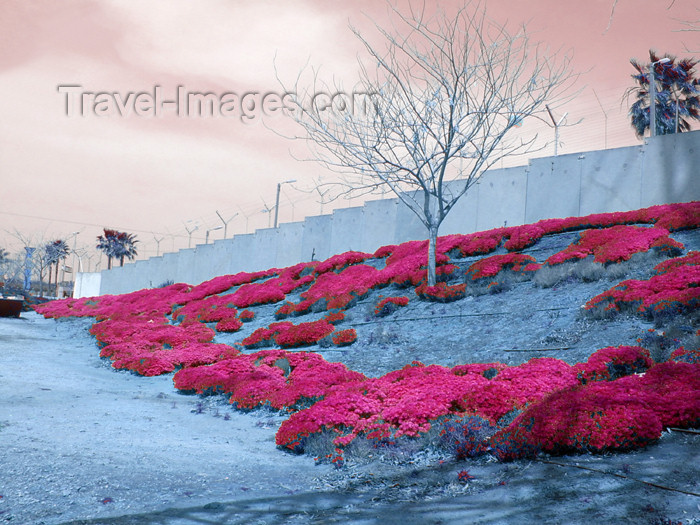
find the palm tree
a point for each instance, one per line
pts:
(117, 244)
(54, 253)
(677, 95)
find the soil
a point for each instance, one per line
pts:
(82, 443)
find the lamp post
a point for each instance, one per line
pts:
(206, 238)
(277, 199)
(652, 95)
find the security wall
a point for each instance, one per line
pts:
(665, 169)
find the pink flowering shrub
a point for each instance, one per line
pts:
(616, 243)
(303, 334)
(276, 378)
(493, 265)
(441, 292)
(681, 355)
(246, 316)
(263, 337)
(229, 324)
(691, 259)
(407, 401)
(341, 261)
(479, 243)
(614, 362)
(524, 236)
(344, 337)
(601, 416)
(596, 417)
(209, 309)
(389, 305)
(676, 289)
(151, 359)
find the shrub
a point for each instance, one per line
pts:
(246, 316)
(341, 261)
(441, 292)
(344, 337)
(465, 436)
(681, 355)
(616, 243)
(303, 334)
(597, 417)
(613, 362)
(389, 305)
(493, 265)
(675, 291)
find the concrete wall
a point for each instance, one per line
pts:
(87, 284)
(663, 170)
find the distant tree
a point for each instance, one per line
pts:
(54, 253)
(677, 95)
(116, 244)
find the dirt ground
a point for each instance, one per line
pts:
(81, 443)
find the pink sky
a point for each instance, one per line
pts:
(151, 175)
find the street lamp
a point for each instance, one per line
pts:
(277, 199)
(206, 238)
(652, 95)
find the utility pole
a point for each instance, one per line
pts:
(277, 199)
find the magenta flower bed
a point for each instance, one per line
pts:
(602, 404)
(675, 287)
(492, 266)
(616, 244)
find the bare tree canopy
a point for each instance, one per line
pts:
(447, 93)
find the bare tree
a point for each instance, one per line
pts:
(447, 92)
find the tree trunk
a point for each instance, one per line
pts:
(121, 261)
(57, 262)
(432, 243)
(109, 263)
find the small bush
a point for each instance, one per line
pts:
(465, 436)
(441, 292)
(389, 305)
(550, 276)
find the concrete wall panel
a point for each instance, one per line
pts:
(264, 249)
(87, 284)
(671, 169)
(463, 217)
(379, 224)
(316, 241)
(185, 266)
(346, 230)
(610, 180)
(289, 243)
(241, 259)
(408, 226)
(501, 198)
(553, 188)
